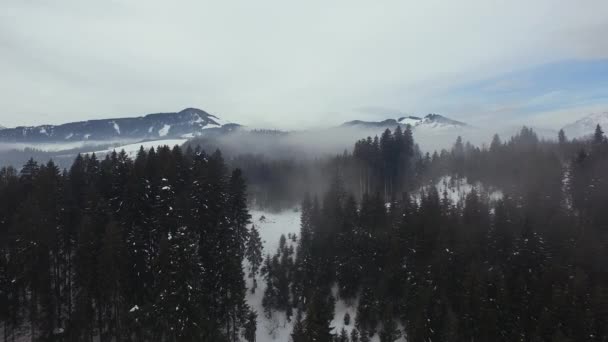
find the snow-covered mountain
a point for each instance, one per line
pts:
(428, 121)
(187, 123)
(586, 126)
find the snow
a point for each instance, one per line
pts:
(586, 126)
(340, 310)
(135, 308)
(55, 147)
(86, 136)
(220, 121)
(409, 121)
(457, 190)
(150, 129)
(116, 127)
(271, 226)
(43, 130)
(277, 329)
(132, 149)
(69, 136)
(164, 131)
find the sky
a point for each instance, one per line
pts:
(286, 64)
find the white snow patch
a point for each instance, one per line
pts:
(86, 136)
(457, 190)
(132, 149)
(135, 308)
(164, 131)
(271, 226)
(69, 136)
(585, 127)
(410, 121)
(116, 127)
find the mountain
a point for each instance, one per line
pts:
(429, 121)
(586, 126)
(371, 124)
(187, 123)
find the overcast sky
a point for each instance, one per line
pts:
(290, 64)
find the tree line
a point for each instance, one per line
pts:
(528, 267)
(149, 249)
(158, 248)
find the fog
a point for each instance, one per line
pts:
(310, 144)
(302, 145)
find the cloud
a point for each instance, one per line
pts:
(273, 62)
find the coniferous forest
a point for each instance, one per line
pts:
(159, 248)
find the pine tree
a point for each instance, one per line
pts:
(354, 335)
(598, 136)
(347, 319)
(561, 137)
(319, 315)
(177, 311)
(253, 253)
(250, 326)
(343, 337)
(389, 332)
(299, 333)
(111, 275)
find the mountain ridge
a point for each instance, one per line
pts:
(585, 126)
(188, 122)
(414, 121)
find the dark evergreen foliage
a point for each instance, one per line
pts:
(527, 267)
(149, 249)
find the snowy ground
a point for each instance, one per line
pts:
(457, 190)
(132, 149)
(61, 146)
(271, 226)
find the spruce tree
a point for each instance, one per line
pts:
(253, 253)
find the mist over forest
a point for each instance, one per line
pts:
(500, 242)
(312, 171)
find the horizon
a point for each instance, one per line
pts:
(574, 119)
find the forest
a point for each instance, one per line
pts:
(161, 247)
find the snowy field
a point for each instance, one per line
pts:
(271, 226)
(457, 190)
(277, 329)
(62, 146)
(132, 149)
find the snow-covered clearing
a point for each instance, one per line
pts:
(56, 147)
(132, 149)
(277, 329)
(271, 226)
(457, 190)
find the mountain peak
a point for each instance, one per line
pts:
(196, 111)
(434, 120)
(443, 120)
(586, 126)
(186, 123)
